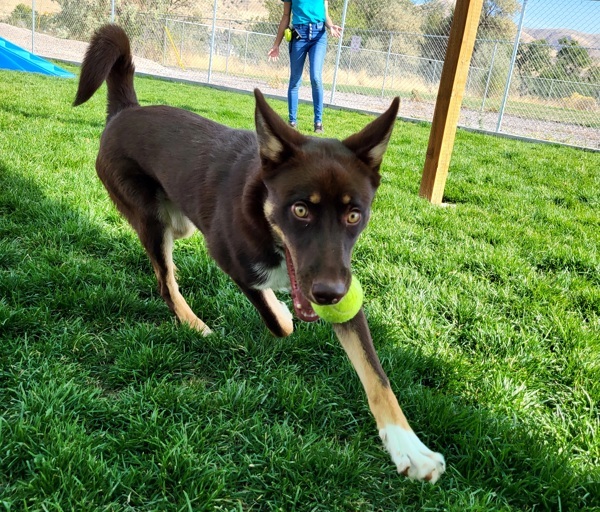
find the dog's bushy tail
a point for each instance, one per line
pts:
(108, 57)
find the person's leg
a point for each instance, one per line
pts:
(316, 57)
(297, 59)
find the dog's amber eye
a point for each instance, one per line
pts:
(300, 210)
(353, 217)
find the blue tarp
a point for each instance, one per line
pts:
(16, 58)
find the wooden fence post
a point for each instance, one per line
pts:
(449, 99)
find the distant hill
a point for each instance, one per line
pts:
(552, 35)
(234, 9)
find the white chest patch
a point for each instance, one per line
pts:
(276, 278)
(174, 218)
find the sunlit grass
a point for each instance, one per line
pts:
(486, 315)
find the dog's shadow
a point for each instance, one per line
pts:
(486, 451)
(61, 269)
(89, 288)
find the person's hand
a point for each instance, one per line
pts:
(336, 30)
(273, 53)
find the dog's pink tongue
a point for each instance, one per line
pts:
(302, 307)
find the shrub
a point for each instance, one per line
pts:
(579, 102)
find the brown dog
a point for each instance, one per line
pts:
(278, 210)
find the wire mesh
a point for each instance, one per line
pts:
(535, 70)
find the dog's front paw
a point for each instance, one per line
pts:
(411, 456)
(198, 325)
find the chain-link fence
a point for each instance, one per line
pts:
(535, 70)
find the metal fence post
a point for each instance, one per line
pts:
(228, 49)
(182, 42)
(246, 51)
(164, 41)
(387, 63)
(349, 67)
(395, 68)
(112, 11)
(489, 77)
(511, 69)
(339, 51)
(212, 40)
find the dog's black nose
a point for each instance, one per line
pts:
(328, 292)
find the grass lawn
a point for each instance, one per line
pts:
(486, 316)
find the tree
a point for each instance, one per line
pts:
(572, 58)
(535, 57)
(79, 18)
(162, 6)
(593, 77)
(274, 10)
(497, 17)
(382, 15)
(21, 17)
(398, 16)
(437, 18)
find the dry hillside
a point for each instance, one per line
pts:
(42, 6)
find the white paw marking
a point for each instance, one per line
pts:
(199, 325)
(411, 456)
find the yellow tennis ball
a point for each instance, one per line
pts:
(287, 33)
(346, 309)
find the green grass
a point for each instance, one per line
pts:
(486, 316)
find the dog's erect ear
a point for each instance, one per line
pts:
(371, 142)
(276, 140)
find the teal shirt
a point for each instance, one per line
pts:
(307, 11)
